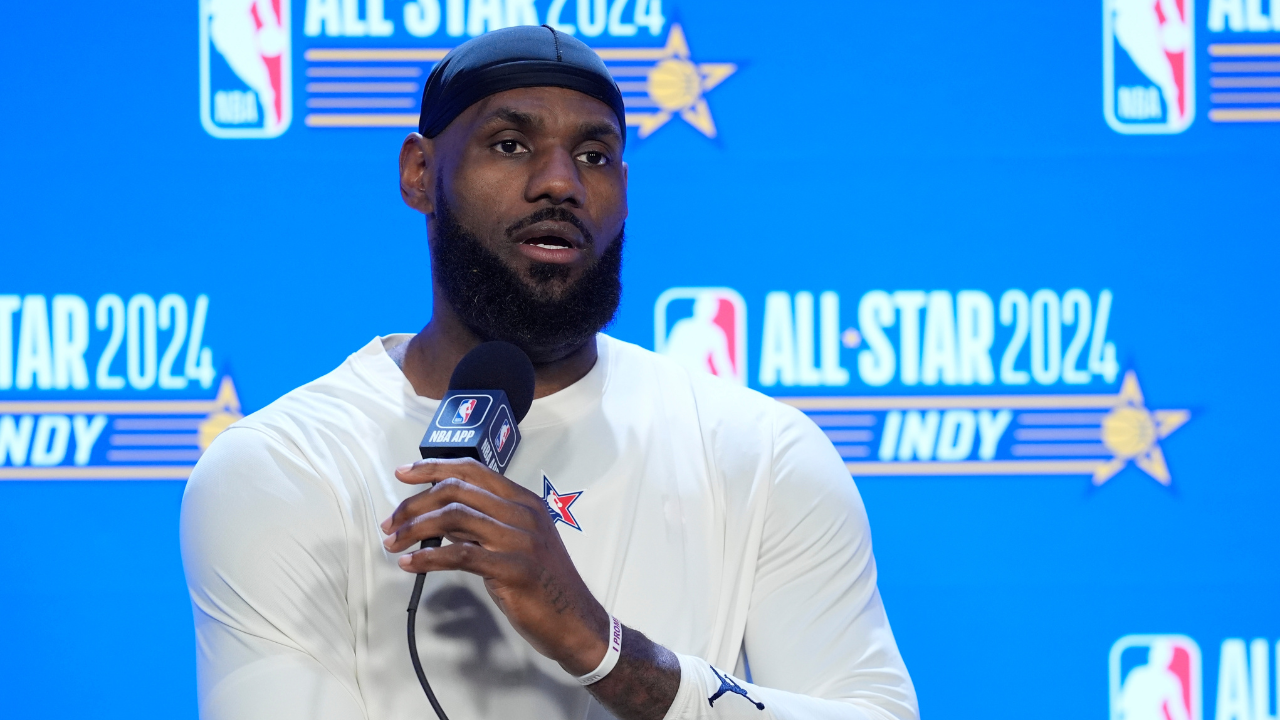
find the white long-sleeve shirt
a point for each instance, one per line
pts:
(720, 523)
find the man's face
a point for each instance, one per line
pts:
(536, 175)
(525, 195)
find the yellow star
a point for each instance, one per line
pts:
(677, 86)
(226, 411)
(1132, 432)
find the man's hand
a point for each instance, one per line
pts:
(503, 533)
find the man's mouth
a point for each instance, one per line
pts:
(555, 234)
(551, 241)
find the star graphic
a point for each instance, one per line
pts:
(1132, 432)
(226, 410)
(673, 84)
(558, 505)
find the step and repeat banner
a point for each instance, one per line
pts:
(1017, 260)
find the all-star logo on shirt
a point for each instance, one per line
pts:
(558, 504)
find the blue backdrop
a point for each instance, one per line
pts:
(1016, 258)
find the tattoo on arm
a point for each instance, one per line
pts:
(643, 684)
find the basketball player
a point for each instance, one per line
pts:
(665, 544)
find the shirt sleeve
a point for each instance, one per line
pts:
(818, 643)
(265, 557)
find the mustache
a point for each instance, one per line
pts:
(552, 213)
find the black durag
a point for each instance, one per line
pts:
(510, 58)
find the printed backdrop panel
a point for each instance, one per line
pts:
(1017, 260)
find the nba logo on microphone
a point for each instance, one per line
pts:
(463, 414)
(503, 433)
(1148, 65)
(703, 329)
(1156, 677)
(245, 85)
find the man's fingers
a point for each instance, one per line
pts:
(454, 521)
(472, 471)
(456, 490)
(468, 557)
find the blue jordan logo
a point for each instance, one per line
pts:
(727, 685)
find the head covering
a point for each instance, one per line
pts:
(510, 58)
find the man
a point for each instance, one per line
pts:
(719, 527)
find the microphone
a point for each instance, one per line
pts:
(490, 392)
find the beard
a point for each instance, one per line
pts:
(542, 314)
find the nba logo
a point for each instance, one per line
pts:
(503, 434)
(1148, 65)
(464, 412)
(703, 329)
(245, 85)
(1155, 677)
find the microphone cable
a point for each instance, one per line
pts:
(500, 367)
(414, 600)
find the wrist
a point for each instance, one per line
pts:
(611, 656)
(644, 683)
(588, 647)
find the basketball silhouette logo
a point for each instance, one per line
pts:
(1155, 677)
(704, 330)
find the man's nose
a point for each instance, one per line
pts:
(555, 177)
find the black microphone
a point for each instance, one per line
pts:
(490, 392)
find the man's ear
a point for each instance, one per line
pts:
(417, 173)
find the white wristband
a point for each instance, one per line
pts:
(610, 656)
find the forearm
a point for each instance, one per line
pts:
(652, 683)
(643, 684)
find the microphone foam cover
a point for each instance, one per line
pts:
(497, 365)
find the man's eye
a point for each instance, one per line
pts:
(593, 157)
(509, 147)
